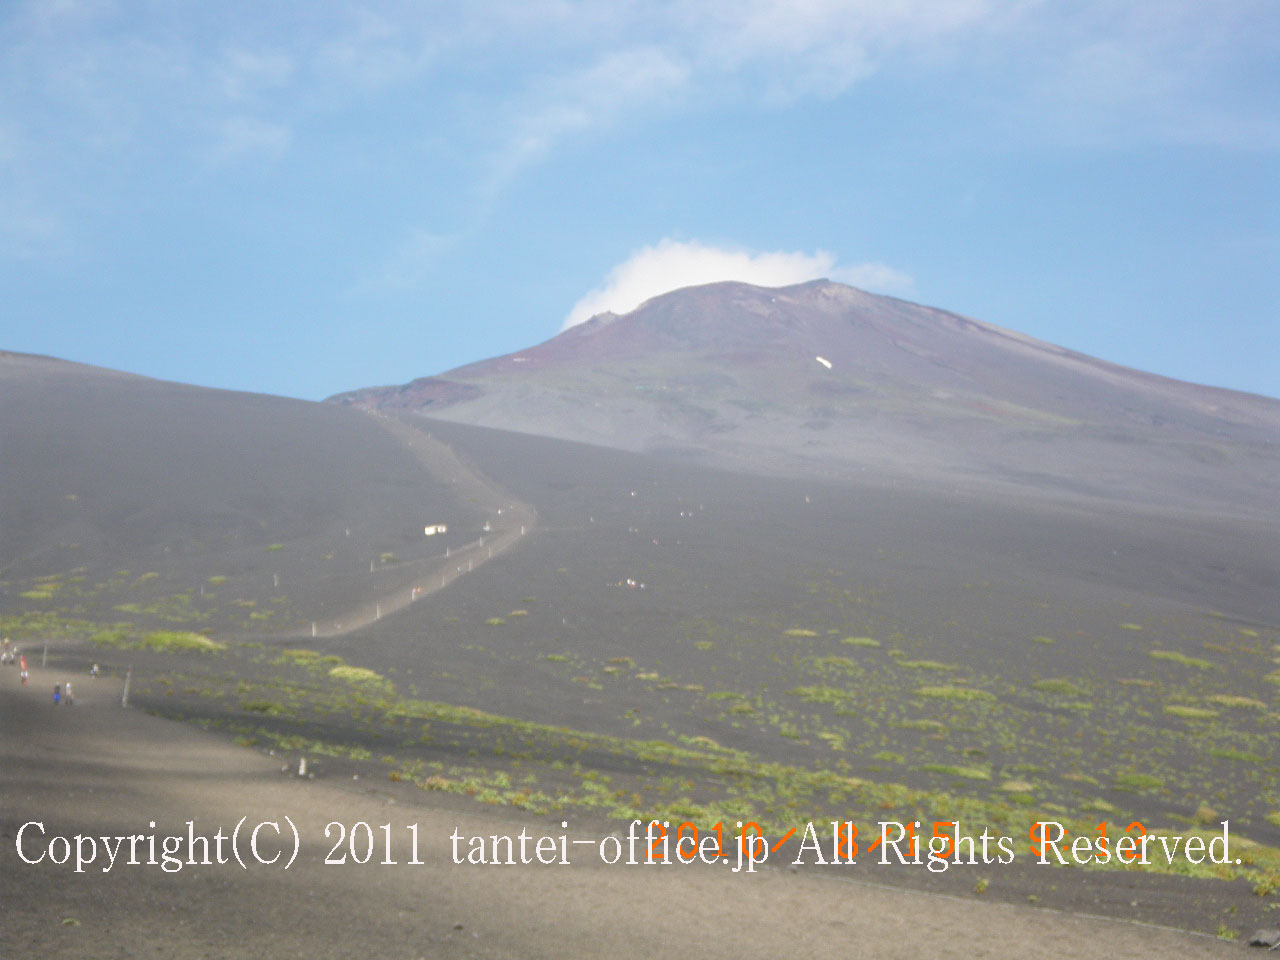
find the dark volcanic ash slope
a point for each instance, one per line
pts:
(157, 487)
(734, 374)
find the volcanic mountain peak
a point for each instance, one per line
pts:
(730, 313)
(823, 379)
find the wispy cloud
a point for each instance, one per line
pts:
(407, 265)
(506, 84)
(671, 264)
(372, 47)
(671, 56)
(248, 74)
(241, 138)
(592, 97)
(1104, 75)
(791, 50)
(1095, 72)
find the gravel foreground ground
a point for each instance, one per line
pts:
(96, 769)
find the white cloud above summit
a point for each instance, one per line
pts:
(672, 264)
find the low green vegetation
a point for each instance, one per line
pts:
(1241, 756)
(266, 707)
(1232, 700)
(955, 770)
(308, 658)
(948, 692)
(820, 694)
(361, 677)
(162, 641)
(1058, 686)
(1190, 713)
(1173, 656)
(924, 726)
(1141, 782)
(180, 641)
(861, 641)
(993, 741)
(925, 665)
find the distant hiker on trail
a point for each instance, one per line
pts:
(93, 671)
(68, 694)
(57, 693)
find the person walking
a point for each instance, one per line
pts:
(57, 693)
(67, 694)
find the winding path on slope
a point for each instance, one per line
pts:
(510, 520)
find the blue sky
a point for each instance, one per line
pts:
(307, 198)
